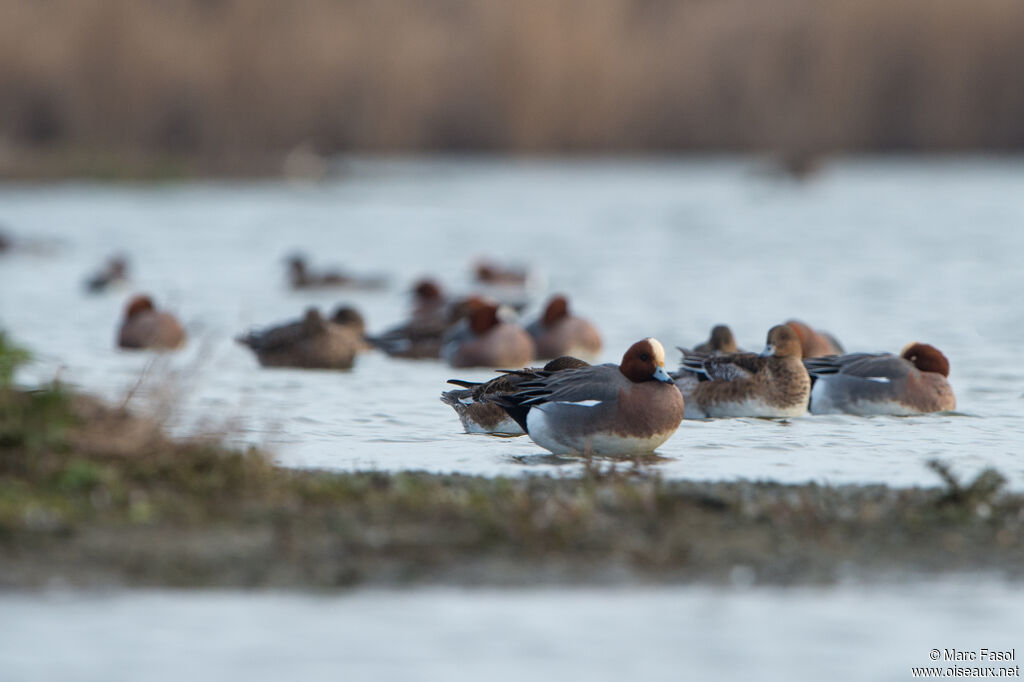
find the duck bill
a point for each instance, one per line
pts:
(661, 375)
(768, 351)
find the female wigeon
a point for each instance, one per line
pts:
(558, 333)
(721, 342)
(311, 343)
(625, 409)
(814, 343)
(483, 339)
(350, 318)
(773, 384)
(913, 382)
(146, 327)
(474, 403)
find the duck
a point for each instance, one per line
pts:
(914, 382)
(145, 327)
(474, 402)
(607, 410)
(815, 343)
(300, 276)
(486, 272)
(557, 332)
(114, 272)
(772, 384)
(310, 343)
(721, 342)
(422, 335)
(350, 318)
(484, 339)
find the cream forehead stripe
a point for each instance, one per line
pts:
(659, 350)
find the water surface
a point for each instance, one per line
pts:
(880, 252)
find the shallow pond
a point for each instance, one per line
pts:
(880, 252)
(845, 633)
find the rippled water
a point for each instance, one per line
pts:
(846, 633)
(881, 253)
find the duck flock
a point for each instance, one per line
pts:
(569, 406)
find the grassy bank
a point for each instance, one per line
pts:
(222, 83)
(91, 495)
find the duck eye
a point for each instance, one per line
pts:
(645, 357)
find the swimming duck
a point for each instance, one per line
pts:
(721, 342)
(144, 327)
(814, 343)
(625, 409)
(483, 339)
(301, 277)
(913, 382)
(310, 343)
(772, 384)
(114, 272)
(474, 402)
(557, 333)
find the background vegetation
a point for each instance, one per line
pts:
(234, 79)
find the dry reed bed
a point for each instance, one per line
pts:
(222, 77)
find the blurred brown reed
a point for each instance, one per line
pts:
(238, 78)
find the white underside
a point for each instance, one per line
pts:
(603, 444)
(506, 427)
(753, 407)
(824, 402)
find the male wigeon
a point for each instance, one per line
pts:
(626, 409)
(146, 327)
(300, 276)
(483, 339)
(913, 382)
(474, 402)
(310, 343)
(557, 333)
(772, 384)
(114, 272)
(815, 343)
(721, 342)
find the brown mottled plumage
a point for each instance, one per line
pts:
(773, 384)
(311, 343)
(475, 402)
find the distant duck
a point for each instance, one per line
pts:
(483, 339)
(913, 382)
(815, 343)
(113, 273)
(474, 403)
(6, 243)
(772, 384)
(486, 272)
(310, 343)
(300, 276)
(558, 333)
(626, 409)
(721, 342)
(421, 336)
(144, 327)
